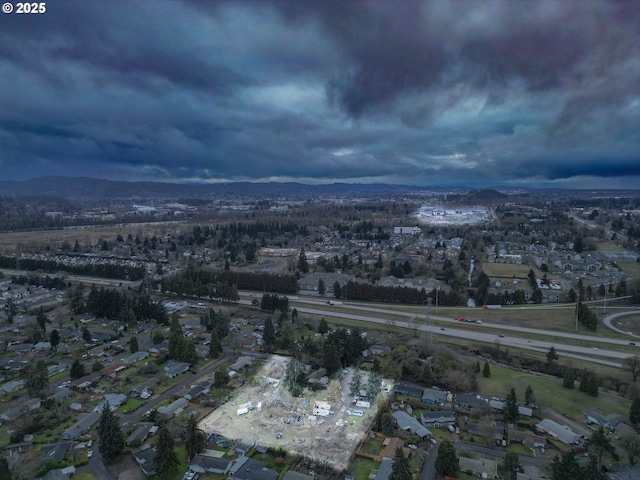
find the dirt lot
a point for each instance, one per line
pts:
(332, 438)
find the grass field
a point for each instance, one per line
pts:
(549, 392)
(505, 270)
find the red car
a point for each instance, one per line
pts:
(461, 319)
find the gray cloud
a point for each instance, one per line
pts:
(413, 92)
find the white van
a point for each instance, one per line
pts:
(451, 429)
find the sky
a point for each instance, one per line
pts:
(541, 93)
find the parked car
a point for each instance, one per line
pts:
(412, 446)
(433, 440)
(90, 454)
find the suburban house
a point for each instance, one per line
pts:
(197, 390)
(408, 390)
(17, 448)
(135, 357)
(470, 400)
(247, 468)
(555, 430)
(377, 350)
(411, 424)
(384, 470)
(203, 464)
(438, 418)
(140, 434)
(82, 426)
(114, 399)
(244, 445)
(57, 451)
(431, 396)
(174, 369)
(174, 408)
(499, 406)
(145, 457)
(482, 467)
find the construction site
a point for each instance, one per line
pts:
(325, 425)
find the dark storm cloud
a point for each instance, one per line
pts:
(404, 92)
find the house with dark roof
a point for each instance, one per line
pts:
(206, 464)
(410, 423)
(384, 470)
(408, 390)
(14, 449)
(82, 426)
(437, 418)
(249, 469)
(197, 390)
(145, 457)
(291, 475)
(470, 400)
(140, 434)
(431, 396)
(56, 451)
(174, 369)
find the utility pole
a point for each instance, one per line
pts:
(429, 325)
(604, 311)
(577, 310)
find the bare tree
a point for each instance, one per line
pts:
(633, 365)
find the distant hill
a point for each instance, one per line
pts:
(83, 187)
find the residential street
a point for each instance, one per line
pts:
(96, 464)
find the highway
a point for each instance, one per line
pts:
(378, 314)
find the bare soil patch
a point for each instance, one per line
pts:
(279, 420)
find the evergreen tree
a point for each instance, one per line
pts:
(634, 412)
(215, 347)
(77, 369)
(486, 370)
(321, 288)
(568, 379)
(86, 335)
(511, 406)
(552, 355)
(337, 289)
(268, 336)
(323, 327)
(387, 424)
(5, 472)
(400, 469)
(36, 377)
(447, 461)
(11, 310)
(303, 264)
(294, 377)
(111, 440)
(591, 472)
(166, 460)
(42, 320)
(566, 467)
(54, 339)
(196, 441)
(355, 384)
(529, 398)
(598, 445)
(133, 345)
(478, 369)
(511, 466)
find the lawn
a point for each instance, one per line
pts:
(549, 392)
(373, 446)
(84, 476)
(505, 270)
(362, 467)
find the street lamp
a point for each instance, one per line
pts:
(577, 310)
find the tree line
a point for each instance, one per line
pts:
(104, 270)
(211, 283)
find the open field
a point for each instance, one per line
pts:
(549, 392)
(90, 235)
(505, 270)
(279, 420)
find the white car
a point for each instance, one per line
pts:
(90, 454)
(412, 446)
